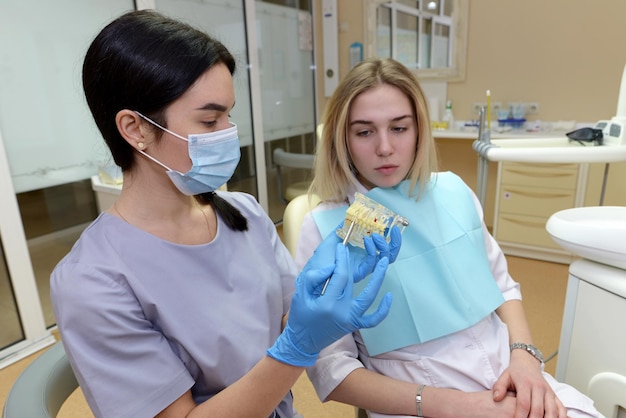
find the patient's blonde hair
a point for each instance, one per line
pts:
(334, 173)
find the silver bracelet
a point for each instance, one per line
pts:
(418, 401)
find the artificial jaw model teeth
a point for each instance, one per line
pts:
(365, 217)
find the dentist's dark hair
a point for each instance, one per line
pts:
(144, 61)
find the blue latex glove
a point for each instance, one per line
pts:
(376, 247)
(362, 261)
(316, 321)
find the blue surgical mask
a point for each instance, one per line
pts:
(214, 157)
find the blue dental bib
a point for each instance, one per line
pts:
(441, 281)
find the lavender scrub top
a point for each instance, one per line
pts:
(143, 320)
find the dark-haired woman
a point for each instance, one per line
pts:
(173, 302)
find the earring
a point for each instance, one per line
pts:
(140, 145)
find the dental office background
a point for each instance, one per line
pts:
(565, 56)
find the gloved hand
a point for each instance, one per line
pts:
(315, 320)
(362, 261)
(376, 247)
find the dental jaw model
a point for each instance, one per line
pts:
(365, 217)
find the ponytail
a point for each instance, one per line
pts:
(230, 214)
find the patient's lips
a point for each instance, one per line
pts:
(387, 169)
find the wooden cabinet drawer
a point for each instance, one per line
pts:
(558, 176)
(522, 229)
(534, 201)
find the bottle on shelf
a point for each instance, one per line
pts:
(448, 116)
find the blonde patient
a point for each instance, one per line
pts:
(459, 345)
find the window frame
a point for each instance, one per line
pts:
(458, 25)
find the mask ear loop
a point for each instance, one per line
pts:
(160, 127)
(141, 145)
(155, 160)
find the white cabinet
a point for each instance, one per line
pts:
(591, 350)
(527, 195)
(522, 196)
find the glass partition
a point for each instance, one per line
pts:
(51, 146)
(285, 45)
(49, 134)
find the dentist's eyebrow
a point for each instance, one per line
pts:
(213, 106)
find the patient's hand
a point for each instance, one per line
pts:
(534, 396)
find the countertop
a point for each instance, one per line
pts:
(535, 129)
(472, 134)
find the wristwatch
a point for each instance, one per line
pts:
(534, 351)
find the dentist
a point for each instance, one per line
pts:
(174, 302)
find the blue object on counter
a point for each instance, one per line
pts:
(514, 123)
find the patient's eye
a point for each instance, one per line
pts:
(364, 132)
(399, 129)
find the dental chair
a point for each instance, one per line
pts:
(591, 347)
(608, 391)
(284, 159)
(292, 219)
(42, 387)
